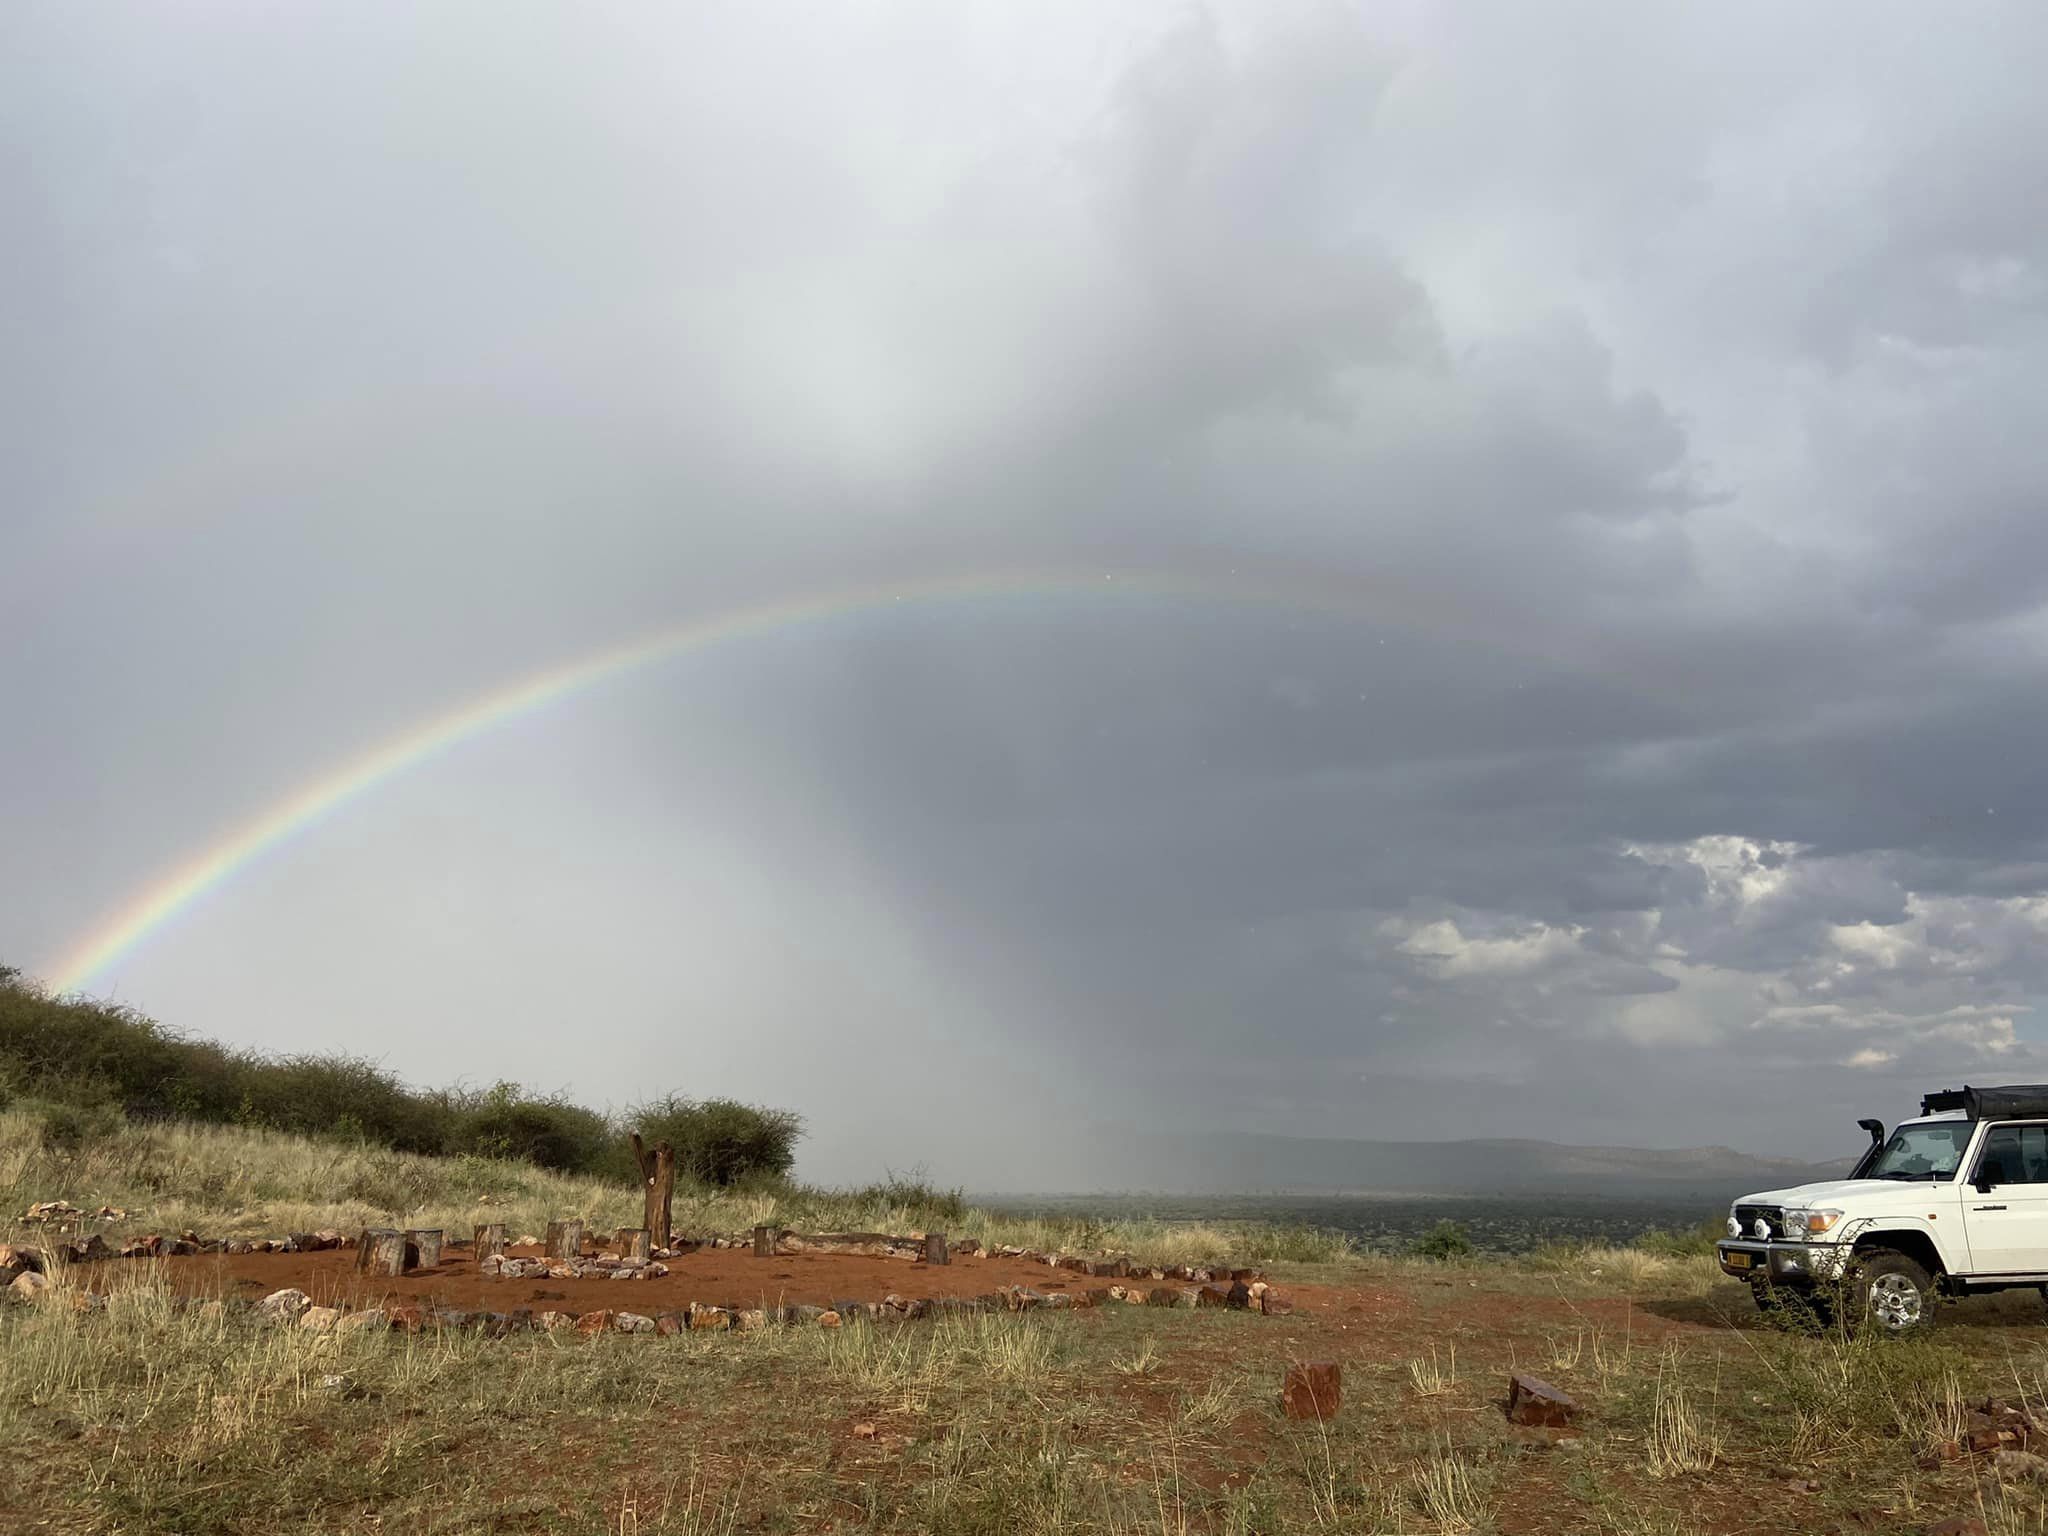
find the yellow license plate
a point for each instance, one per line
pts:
(1739, 1260)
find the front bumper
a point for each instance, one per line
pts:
(1781, 1263)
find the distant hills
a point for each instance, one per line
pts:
(1225, 1163)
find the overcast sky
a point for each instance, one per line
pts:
(1639, 735)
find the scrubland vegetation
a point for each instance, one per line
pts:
(1699, 1415)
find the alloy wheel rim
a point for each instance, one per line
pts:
(1895, 1300)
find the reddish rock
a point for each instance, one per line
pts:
(1213, 1296)
(408, 1319)
(668, 1324)
(596, 1322)
(1983, 1439)
(1163, 1296)
(1531, 1401)
(1238, 1296)
(1273, 1304)
(828, 1319)
(1313, 1389)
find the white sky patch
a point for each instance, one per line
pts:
(1453, 954)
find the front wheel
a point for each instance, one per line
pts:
(1890, 1292)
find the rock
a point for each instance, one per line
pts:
(16, 1261)
(1531, 1401)
(633, 1322)
(550, 1322)
(342, 1385)
(596, 1322)
(2020, 1467)
(1312, 1389)
(828, 1319)
(407, 1319)
(284, 1306)
(752, 1319)
(491, 1265)
(369, 1317)
(1212, 1296)
(1135, 1297)
(320, 1319)
(29, 1285)
(1163, 1296)
(1021, 1298)
(1983, 1439)
(1958, 1525)
(669, 1324)
(1238, 1296)
(711, 1319)
(1187, 1296)
(799, 1312)
(1273, 1304)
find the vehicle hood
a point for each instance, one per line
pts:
(1837, 1192)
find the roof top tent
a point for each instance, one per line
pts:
(2018, 1101)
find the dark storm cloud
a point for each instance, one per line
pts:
(1656, 381)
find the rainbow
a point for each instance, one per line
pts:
(205, 871)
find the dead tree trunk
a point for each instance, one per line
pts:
(636, 1243)
(935, 1249)
(658, 1175)
(381, 1251)
(764, 1242)
(424, 1246)
(490, 1240)
(565, 1240)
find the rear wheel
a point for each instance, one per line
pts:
(1889, 1292)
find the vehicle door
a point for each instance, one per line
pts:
(2005, 1200)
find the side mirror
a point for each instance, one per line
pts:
(1984, 1185)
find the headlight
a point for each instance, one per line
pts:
(1734, 1227)
(1810, 1223)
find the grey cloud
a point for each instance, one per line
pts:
(1623, 408)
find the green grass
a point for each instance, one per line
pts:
(226, 1181)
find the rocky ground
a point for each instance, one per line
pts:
(1657, 1400)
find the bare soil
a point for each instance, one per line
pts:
(726, 1277)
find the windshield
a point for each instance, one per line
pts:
(1922, 1151)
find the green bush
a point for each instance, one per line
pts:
(914, 1192)
(502, 1121)
(68, 1127)
(100, 1058)
(720, 1141)
(1446, 1240)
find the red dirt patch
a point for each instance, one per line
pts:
(726, 1277)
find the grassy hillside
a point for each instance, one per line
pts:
(235, 1181)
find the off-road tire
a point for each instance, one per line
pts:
(1888, 1293)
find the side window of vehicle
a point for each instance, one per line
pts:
(2015, 1154)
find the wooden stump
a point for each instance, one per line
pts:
(658, 1174)
(423, 1247)
(636, 1243)
(490, 1240)
(935, 1249)
(565, 1240)
(381, 1251)
(764, 1242)
(1314, 1389)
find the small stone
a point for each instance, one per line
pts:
(1313, 1389)
(596, 1322)
(340, 1384)
(713, 1319)
(369, 1317)
(319, 1319)
(828, 1319)
(29, 1285)
(286, 1305)
(1532, 1401)
(633, 1322)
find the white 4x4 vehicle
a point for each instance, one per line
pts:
(1953, 1203)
